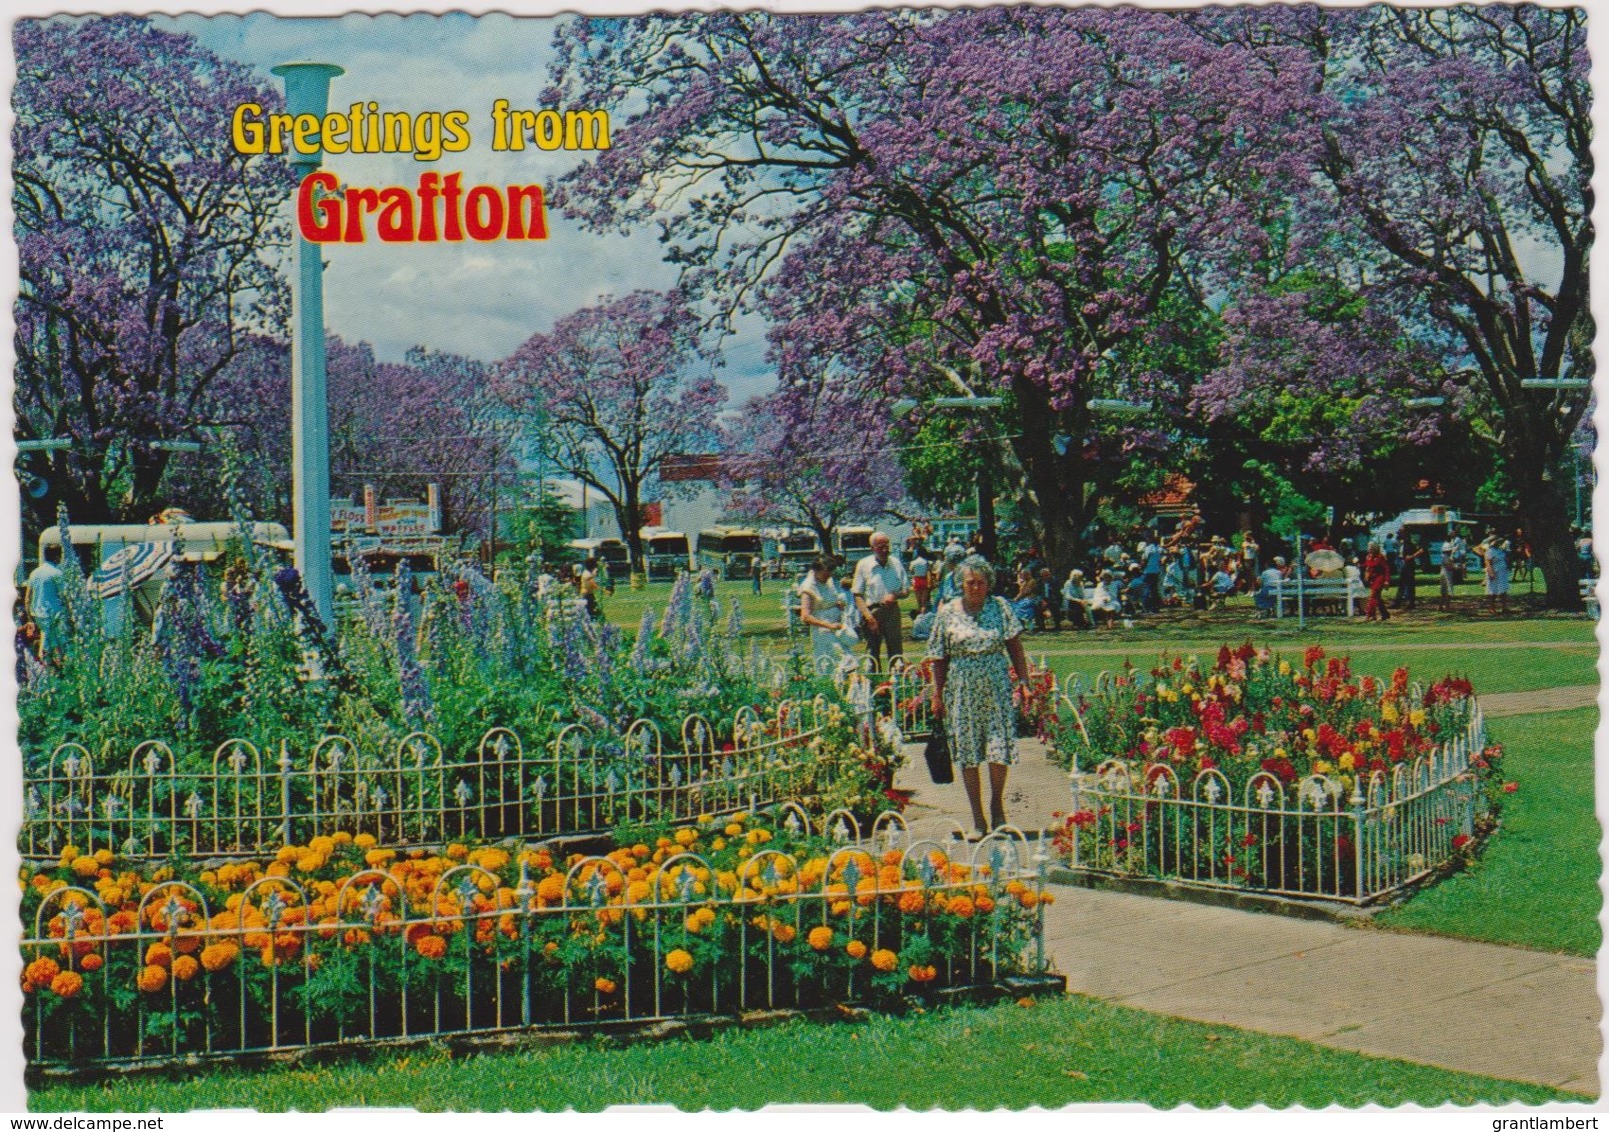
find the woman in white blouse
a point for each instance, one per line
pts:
(825, 606)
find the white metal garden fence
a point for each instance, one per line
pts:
(283, 966)
(1313, 838)
(247, 800)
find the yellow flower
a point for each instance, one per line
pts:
(686, 837)
(679, 961)
(103, 856)
(376, 858)
(1388, 712)
(1347, 761)
(311, 861)
(86, 866)
(364, 841)
(820, 938)
(1416, 717)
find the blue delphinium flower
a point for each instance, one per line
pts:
(639, 651)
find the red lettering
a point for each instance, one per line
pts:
(518, 196)
(427, 207)
(318, 209)
(492, 227)
(449, 199)
(396, 216)
(357, 201)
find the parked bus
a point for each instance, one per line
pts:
(854, 543)
(610, 551)
(732, 552)
(789, 552)
(668, 552)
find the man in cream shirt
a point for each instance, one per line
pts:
(880, 581)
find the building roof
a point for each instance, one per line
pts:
(700, 468)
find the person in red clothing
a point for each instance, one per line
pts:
(1377, 576)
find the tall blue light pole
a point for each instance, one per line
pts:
(307, 91)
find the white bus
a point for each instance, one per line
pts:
(667, 552)
(608, 550)
(732, 552)
(853, 543)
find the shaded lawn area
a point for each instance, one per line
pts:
(1057, 1052)
(1537, 884)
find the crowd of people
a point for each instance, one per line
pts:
(1128, 576)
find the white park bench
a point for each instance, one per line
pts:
(1320, 589)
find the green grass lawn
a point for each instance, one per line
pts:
(1058, 1052)
(1537, 884)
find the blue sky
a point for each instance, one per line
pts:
(477, 299)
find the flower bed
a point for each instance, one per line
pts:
(341, 939)
(466, 710)
(1252, 772)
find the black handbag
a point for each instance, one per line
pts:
(938, 756)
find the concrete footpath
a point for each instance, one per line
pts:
(1503, 1012)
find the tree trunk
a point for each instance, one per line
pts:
(629, 515)
(1545, 513)
(1057, 482)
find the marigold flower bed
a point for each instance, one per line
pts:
(1255, 772)
(341, 939)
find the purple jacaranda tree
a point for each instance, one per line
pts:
(145, 246)
(811, 456)
(969, 202)
(616, 389)
(430, 418)
(1453, 172)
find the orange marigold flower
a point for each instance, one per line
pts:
(856, 949)
(431, 946)
(820, 938)
(783, 933)
(67, 984)
(217, 956)
(1027, 899)
(679, 961)
(41, 971)
(884, 959)
(920, 974)
(984, 904)
(158, 955)
(152, 979)
(185, 968)
(91, 962)
(551, 889)
(603, 986)
(961, 907)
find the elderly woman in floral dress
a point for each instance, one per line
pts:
(973, 638)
